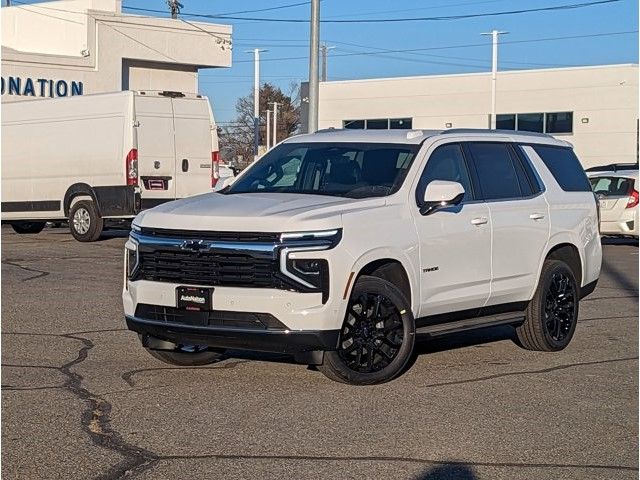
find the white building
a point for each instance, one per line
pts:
(75, 47)
(595, 108)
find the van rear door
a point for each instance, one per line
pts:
(193, 143)
(156, 149)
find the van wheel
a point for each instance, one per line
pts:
(377, 336)
(188, 355)
(84, 222)
(28, 227)
(552, 314)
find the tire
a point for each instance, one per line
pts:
(188, 356)
(84, 222)
(390, 342)
(28, 227)
(552, 314)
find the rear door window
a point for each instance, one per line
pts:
(497, 176)
(565, 167)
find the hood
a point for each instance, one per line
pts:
(254, 212)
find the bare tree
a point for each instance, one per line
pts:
(236, 138)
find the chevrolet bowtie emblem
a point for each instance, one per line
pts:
(193, 245)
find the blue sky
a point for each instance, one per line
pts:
(224, 86)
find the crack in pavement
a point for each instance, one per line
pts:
(13, 388)
(529, 372)
(128, 376)
(580, 320)
(421, 461)
(40, 273)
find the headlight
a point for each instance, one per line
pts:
(327, 235)
(131, 247)
(312, 271)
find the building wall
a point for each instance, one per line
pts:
(605, 95)
(104, 50)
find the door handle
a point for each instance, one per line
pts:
(185, 165)
(536, 216)
(479, 221)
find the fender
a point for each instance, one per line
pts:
(558, 239)
(79, 189)
(397, 255)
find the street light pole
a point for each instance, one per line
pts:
(275, 122)
(256, 99)
(494, 73)
(268, 130)
(314, 45)
(324, 50)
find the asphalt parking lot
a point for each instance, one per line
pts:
(81, 399)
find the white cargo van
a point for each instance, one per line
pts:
(104, 156)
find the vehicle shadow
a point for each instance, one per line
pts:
(448, 471)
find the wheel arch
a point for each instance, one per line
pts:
(75, 190)
(564, 248)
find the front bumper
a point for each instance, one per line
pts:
(277, 341)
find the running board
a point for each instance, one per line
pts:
(471, 323)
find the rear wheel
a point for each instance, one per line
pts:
(377, 336)
(188, 355)
(28, 227)
(552, 314)
(84, 221)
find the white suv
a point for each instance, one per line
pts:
(340, 246)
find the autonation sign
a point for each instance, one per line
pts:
(40, 87)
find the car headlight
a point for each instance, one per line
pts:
(131, 248)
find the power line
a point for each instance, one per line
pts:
(280, 7)
(571, 6)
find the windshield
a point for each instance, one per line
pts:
(354, 170)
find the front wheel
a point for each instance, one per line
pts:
(552, 314)
(188, 355)
(377, 336)
(28, 227)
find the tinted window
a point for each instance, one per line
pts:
(353, 124)
(506, 122)
(351, 170)
(446, 163)
(378, 124)
(496, 173)
(560, 122)
(400, 123)
(531, 122)
(612, 186)
(565, 167)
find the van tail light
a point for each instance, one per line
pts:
(131, 167)
(633, 199)
(215, 168)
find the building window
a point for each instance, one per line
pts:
(353, 124)
(506, 122)
(554, 122)
(531, 122)
(559, 122)
(400, 123)
(379, 124)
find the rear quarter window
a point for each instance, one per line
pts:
(565, 167)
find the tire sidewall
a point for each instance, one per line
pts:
(557, 267)
(95, 221)
(374, 285)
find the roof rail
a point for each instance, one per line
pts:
(613, 167)
(503, 132)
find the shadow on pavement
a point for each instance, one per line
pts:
(453, 471)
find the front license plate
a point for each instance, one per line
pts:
(194, 298)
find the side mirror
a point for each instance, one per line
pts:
(440, 194)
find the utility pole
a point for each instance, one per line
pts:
(268, 130)
(313, 66)
(256, 99)
(275, 122)
(174, 7)
(494, 73)
(324, 50)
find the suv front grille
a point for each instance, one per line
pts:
(266, 237)
(232, 269)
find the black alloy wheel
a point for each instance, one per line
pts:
(559, 309)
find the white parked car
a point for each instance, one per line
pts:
(340, 246)
(616, 187)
